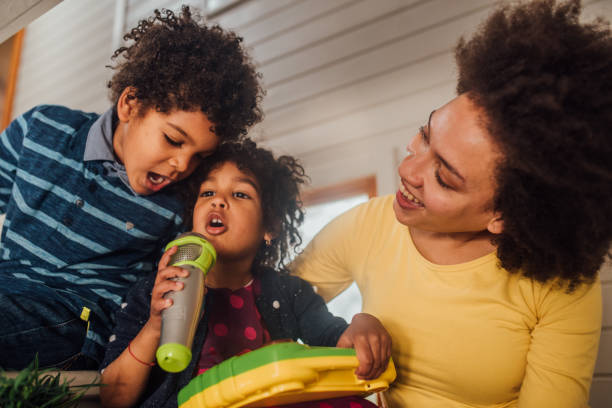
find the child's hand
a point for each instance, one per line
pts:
(163, 285)
(372, 344)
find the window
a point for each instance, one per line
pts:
(321, 206)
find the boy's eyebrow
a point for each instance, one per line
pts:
(442, 160)
(180, 130)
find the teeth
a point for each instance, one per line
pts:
(156, 178)
(216, 222)
(409, 196)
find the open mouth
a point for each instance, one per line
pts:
(215, 225)
(156, 181)
(407, 195)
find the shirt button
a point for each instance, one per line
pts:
(67, 221)
(79, 202)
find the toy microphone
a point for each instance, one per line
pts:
(179, 321)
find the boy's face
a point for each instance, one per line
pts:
(158, 149)
(228, 213)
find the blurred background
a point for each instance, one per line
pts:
(348, 84)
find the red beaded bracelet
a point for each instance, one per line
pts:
(136, 358)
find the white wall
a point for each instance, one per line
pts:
(349, 81)
(15, 14)
(64, 56)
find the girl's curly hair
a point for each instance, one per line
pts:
(173, 62)
(544, 81)
(279, 181)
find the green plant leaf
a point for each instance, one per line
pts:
(39, 388)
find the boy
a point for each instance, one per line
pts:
(88, 199)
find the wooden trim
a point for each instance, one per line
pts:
(338, 191)
(12, 79)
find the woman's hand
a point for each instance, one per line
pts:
(372, 345)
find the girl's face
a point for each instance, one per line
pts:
(158, 149)
(228, 213)
(447, 179)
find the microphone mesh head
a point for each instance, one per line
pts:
(187, 252)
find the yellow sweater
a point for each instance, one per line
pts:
(466, 335)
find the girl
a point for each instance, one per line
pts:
(248, 208)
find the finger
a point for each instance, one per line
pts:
(167, 286)
(386, 349)
(365, 358)
(345, 341)
(163, 262)
(171, 272)
(159, 300)
(158, 305)
(377, 355)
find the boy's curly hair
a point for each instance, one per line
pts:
(279, 181)
(174, 62)
(544, 81)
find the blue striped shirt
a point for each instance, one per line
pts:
(74, 230)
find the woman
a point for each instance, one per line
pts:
(483, 267)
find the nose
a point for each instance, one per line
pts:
(218, 201)
(180, 162)
(412, 168)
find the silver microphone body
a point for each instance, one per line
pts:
(180, 321)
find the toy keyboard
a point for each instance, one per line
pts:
(278, 374)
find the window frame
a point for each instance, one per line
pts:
(339, 191)
(11, 82)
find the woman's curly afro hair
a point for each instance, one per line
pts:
(173, 62)
(279, 181)
(544, 82)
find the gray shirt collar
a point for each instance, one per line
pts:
(99, 146)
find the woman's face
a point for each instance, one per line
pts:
(447, 179)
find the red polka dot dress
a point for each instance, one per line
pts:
(236, 327)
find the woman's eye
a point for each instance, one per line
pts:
(172, 141)
(424, 135)
(241, 195)
(440, 181)
(206, 194)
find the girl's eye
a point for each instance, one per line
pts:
(241, 195)
(206, 194)
(172, 141)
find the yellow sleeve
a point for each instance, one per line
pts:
(326, 261)
(563, 349)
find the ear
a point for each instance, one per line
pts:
(496, 225)
(127, 105)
